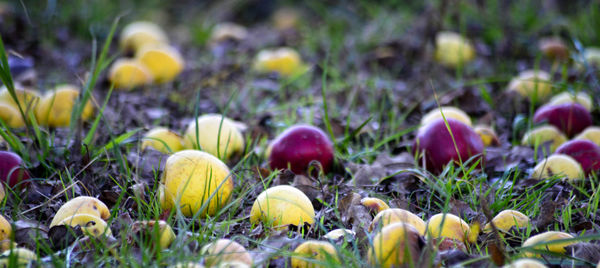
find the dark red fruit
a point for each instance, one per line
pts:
(434, 142)
(585, 152)
(298, 145)
(12, 170)
(570, 118)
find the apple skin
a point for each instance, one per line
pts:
(436, 142)
(585, 152)
(298, 146)
(571, 118)
(12, 164)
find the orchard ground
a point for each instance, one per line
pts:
(370, 78)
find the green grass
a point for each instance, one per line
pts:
(359, 103)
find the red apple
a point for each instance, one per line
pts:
(585, 152)
(298, 145)
(435, 144)
(12, 170)
(571, 118)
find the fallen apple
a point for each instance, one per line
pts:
(592, 56)
(568, 97)
(570, 118)
(445, 112)
(11, 116)
(298, 146)
(542, 135)
(558, 164)
(81, 205)
(395, 245)
(140, 33)
(315, 254)
(541, 242)
(532, 83)
(439, 147)
(591, 133)
(506, 219)
(374, 204)
(452, 49)
(225, 250)
(449, 226)
(28, 98)
(91, 225)
(128, 74)
(56, 107)
(214, 134)
(282, 205)
(585, 152)
(164, 62)
(338, 233)
(393, 215)
(284, 61)
(196, 182)
(163, 140)
(12, 170)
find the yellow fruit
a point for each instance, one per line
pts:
(568, 97)
(28, 98)
(452, 49)
(81, 205)
(506, 219)
(163, 140)
(56, 107)
(128, 74)
(11, 116)
(164, 62)
(228, 31)
(223, 251)
(138, 34)
(531, 82)
(313, 254)
(374, 204)
(452, 227)
(165, 232)
(540, 242)
(5, 228)
(281, 206)
(558, 164)
(338, 233)
(217, 135)
(394, 215)
(544, 134)
(488, 135)
(391, 244)
(285, 61)
(449, 112)
(22, 257)
(590, 133)
(525, 263)
(90, 224)
(196, 182)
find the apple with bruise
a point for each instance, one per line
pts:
(299, 145)
(570, 118)
(439, 147)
